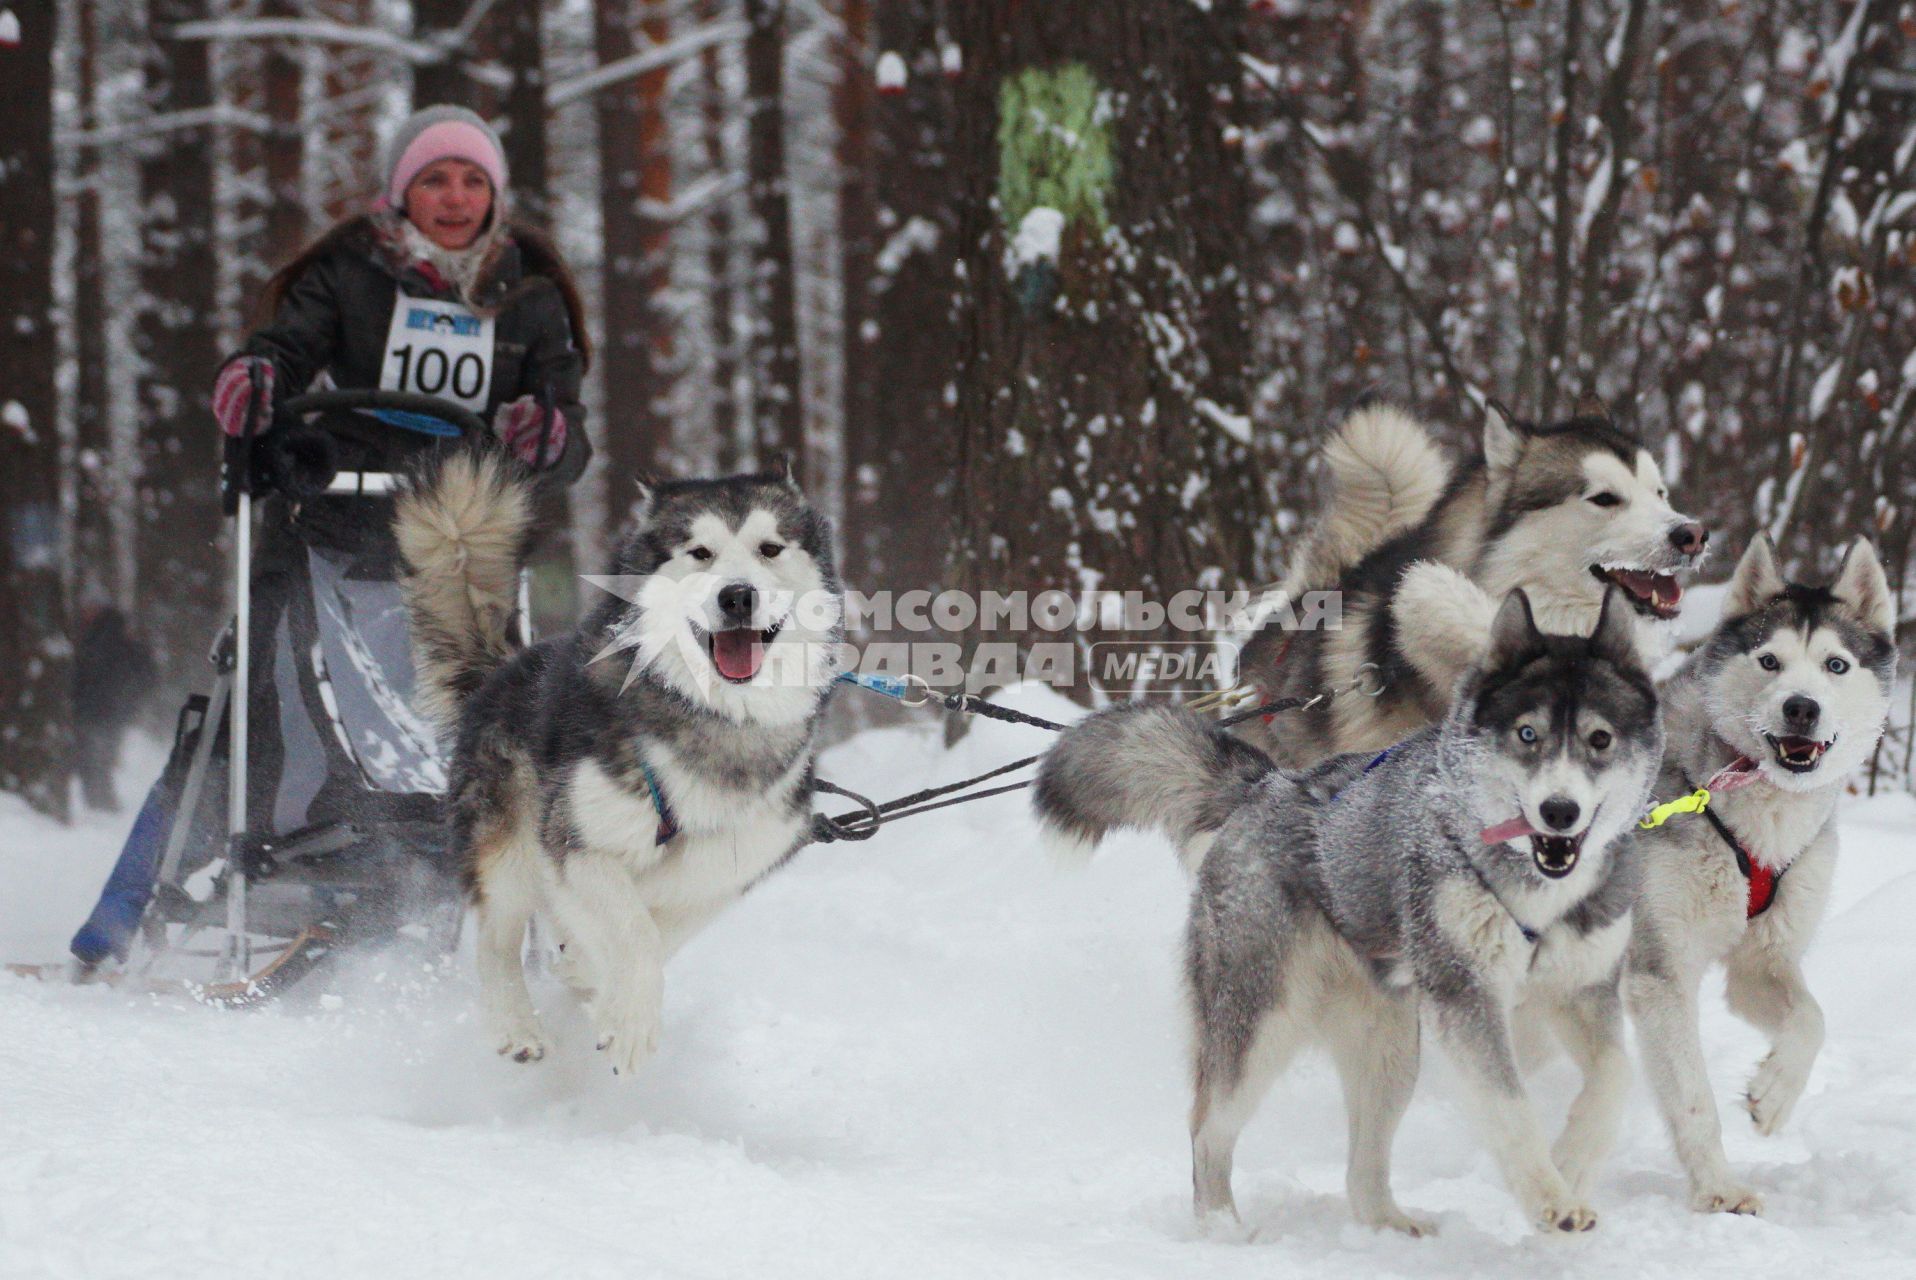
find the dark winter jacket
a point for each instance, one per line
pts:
(334, 315)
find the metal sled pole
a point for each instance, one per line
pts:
(216, 706)
(239, 960)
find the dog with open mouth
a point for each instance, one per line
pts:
(1480, 869)
(1772, 714)
(1421, 552)
(629, 780)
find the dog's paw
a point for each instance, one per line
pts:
(524, 1043)
(1223, 1226)
(1773, 1092)
(1565, 1219)
(1726, 1198)
(1395, 1219)
(628, 1035)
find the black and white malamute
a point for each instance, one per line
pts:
(631, 779)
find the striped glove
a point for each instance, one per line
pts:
(233, 391)
(519, 424)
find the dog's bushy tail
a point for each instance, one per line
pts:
(1386, 475)
(464, 524)
(1148, 767)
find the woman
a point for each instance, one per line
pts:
(435, 291)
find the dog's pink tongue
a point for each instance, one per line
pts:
(1734, 776)
(1508, 830)
(1638, 584)
(737, 653)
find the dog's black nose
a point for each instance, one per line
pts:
(1800, 714)
(1689, 537)
(1559, 813)
(736, 602)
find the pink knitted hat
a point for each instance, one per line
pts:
(442, 133)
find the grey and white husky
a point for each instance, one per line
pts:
(1773, 713)
(1421, 553)
(1483, 864)
(626, 800)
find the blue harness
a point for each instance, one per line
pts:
(668, 821)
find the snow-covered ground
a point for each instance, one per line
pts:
(930, 1054)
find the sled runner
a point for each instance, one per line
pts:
(277, 838)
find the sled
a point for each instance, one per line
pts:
(312, 824)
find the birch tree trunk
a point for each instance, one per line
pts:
(96, 578)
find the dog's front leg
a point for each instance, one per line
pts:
(1590, 1025)
(1474, 1031)
(1767, 989)
(1662, 997)
(602, 909)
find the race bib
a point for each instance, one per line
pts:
(439, 349)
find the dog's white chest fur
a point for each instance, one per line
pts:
(727, 839)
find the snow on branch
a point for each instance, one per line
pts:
(663, 55)
(694, 200)
(1322, 143)
(167, 122)
(318, 31)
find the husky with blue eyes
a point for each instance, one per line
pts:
(1772, 715)
(1479, 869)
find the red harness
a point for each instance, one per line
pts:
(1762, 880)
(1762, 886)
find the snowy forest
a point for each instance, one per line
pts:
(1038, 293)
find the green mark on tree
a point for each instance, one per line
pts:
(1054, 146)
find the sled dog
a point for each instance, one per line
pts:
(1772, 713)
(631, 779)
(1483, 864)
(1420, 556)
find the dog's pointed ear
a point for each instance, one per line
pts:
(1863, 586)
(784, 468)
(645, 488)
(1756, 581)
(1513, 633)
(644, 485)
(1591, 405)
(1503, 437)
(1614, 639)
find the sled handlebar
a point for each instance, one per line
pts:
(447, 411)
(401, 411)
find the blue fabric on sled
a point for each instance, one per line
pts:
(109, 931)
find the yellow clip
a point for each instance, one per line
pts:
(1696, 802)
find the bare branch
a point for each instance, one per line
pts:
(167, 122)
(664, 55)
(1388, 252)
(315, 31)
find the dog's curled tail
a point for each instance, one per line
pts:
(1386, 475)
(1148, 767)
(463, 524)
